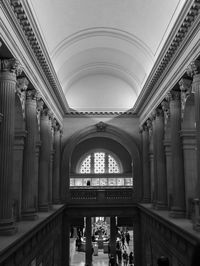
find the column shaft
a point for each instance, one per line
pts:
(7, 108)
(113, 236)
(161, 202)
(88, 253)
(29, 170)
(43, 183)
(146, 165)
(56, 168)
(178, 197)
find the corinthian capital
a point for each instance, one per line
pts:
(149, 126)
(174, 95)
(193, 68)
(186, 89)
(31, 94)
(11, 65)
(165, 108)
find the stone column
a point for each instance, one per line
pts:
(194, 71)
(56, 165)
(168, 153)
(51, 142)
(154, 144)
(178, 197)
(151, 159)
(8, 71)
(161, 202)
(43, 183)
(88, 251)
(113, 232)
(189, 142)
(146, 165)
(29, 178)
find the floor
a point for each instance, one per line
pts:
(78, 258)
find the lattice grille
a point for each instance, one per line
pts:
(86, 165)
(112, 165)
(99, 162)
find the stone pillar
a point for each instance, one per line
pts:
(178, 197)
(137, 240)
(194, 71)
(51, 142)
(56, 165)
(189, 142)
(29, 180)
(168, 153)
(8, 73)
(161, 202)
(146, 165)
(113, 232)
(154, 144)
(43, 183)
(88, 251)
(151, 159)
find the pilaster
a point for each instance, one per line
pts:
(9, 68)
(151, 159)
(88, 251)
(113, 232)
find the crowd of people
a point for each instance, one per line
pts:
(122, 256)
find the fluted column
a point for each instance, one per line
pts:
(8, 71)
(151, 159)
(51, 142)
(168, 153)
(146, 164)
(194, 71)
(88, 251)
(43, 183)
(29, 170)
(178, 197)
(56, 165)
(154, 144)
(161, 202)
(113, 232)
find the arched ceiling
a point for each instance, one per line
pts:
(103, 50)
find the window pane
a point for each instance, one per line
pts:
(112, 181)
(128, 181)
(86, 165)
(95, 181)
(120, 181)
(99, 162)
(103, 182)
(78, 182)
(112, 165)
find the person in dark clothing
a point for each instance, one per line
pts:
(112, 261)
(163, 261)
(131, 259)
(127, 238)
(125, 258)
(119, 255)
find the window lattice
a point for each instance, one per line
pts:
(86, 165)
(99, 162)
(112, 165)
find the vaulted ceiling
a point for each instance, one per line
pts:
(103, 50)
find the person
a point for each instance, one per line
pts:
(131, 259)
(119, 255)
(125, 258)
(112, 261)
(127, 238)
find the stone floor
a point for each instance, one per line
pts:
(78, 258)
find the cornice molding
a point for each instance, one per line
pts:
(34, 43)
(100, 114)
(180, 32)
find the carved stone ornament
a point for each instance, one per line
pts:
(149, 126)
(165, 108)
(21, 87)
(193, 68)
(174, 95)
(11, 65)
(31, 94)
(159, 112)
(101, 126)
(186, 89)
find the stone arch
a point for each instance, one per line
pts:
(109, 132)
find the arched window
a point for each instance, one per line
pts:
(100, 168)
(99, 162)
